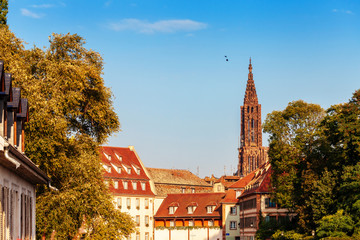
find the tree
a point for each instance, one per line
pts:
(3, 12)
(294, 137)
(71, 115)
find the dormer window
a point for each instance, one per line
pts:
(126, 184)
(109, 157)
(191, 209)
(118, 157)
(118, 169)
(172, 209)
(210, 209)
(116, 184)
(134, 185)
(128, 170)
(138, 171)
(107, 168)
(143, 186)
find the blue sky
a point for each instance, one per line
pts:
(177, 98)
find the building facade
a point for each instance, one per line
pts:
(18, 174)
(251, 152)
(188, 216)
(132, 189)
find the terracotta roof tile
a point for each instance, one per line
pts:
(121, 157)
(230, 197)
(176, 176)
(183, 200)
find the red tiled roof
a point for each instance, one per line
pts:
(176, 176)
(125, 157)
(260, 183)
(201, 199)
(230, 197)
(243, 181)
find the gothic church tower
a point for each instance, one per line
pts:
(251, 152)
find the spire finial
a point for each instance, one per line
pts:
(250, 66)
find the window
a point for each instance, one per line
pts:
(233, 225)
(107, 168)
(143, 186)
(210, 223)
(191, 223)
(210, 209)
(138, 171)
(269, 203)
(146, 203)
(118, 169)
(119, 157)
(128, 203)
(172, 223)
(137, 236)
(146, 236)
(172, 210)
(118, 202)
(116, 184)
(126, 184)
(270, 219)
(191, 209)
(249, 204)
(128, 170)
(182, 190)
(233, 210)
(137, 203)
(137, 220)
(192, 190)
(134, 184)
(250, 222)
(218, 188)
(146, 220)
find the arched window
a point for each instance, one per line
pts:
(248, 109)
(249, 163)
(252, 109)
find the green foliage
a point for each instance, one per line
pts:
(294, 136)
(3, 11)
(316, 166)
(286, 235)
(71, 114)
(337, 225)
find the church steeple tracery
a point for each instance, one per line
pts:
(251, 152)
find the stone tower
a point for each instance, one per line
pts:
(251, 152)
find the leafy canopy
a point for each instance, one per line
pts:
(71, 114)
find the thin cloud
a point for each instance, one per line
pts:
(342, 11)
(27, 13)
(163, 26)
(43, 6)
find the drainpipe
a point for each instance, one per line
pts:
(13, 160)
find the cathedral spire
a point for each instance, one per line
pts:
(250, 93)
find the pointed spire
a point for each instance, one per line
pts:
(250, 66)
(250, 93)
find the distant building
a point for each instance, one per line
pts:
(18, 174)
(168, 181)
(230, 210)
(254, 195)
(130, 184)
(222, 184)
(251, 152)
(188, 216)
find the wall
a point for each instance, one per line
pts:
(188, 234)
(18, 186)
(142, 212)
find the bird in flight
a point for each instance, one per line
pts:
(226, 58)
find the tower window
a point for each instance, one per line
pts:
(252, 109)
(248, 109)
